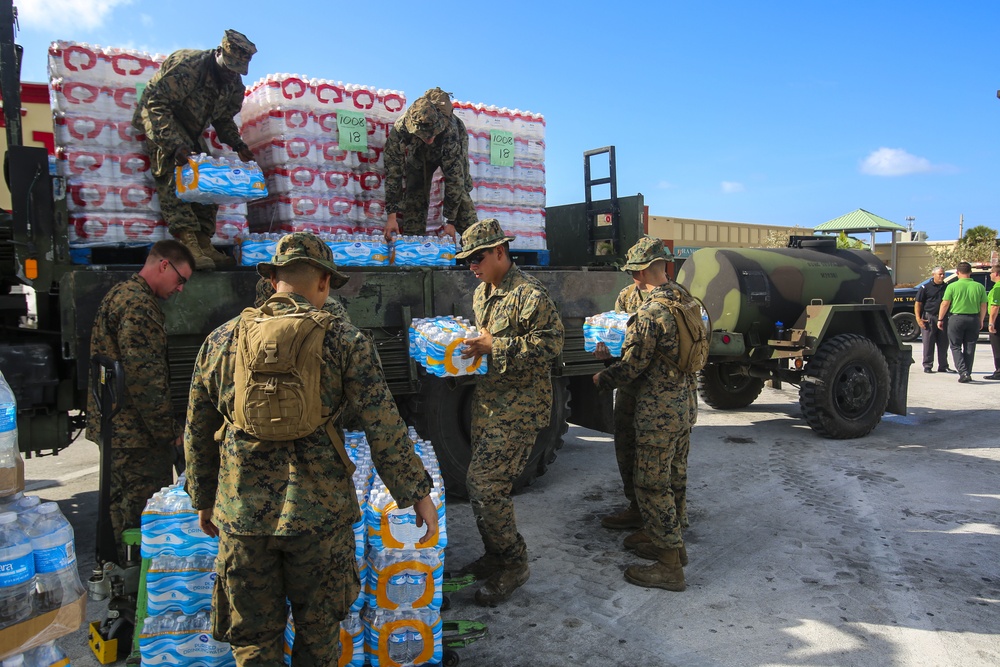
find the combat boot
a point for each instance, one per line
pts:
(625, 520)
(202, 262)
(666, 573)
(502, 584)
(649, 551)
(635, 539)
(482, 567)
(219, 258)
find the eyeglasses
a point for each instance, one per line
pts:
(181, 280)
(476, 259)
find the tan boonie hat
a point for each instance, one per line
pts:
(304, 247)
(237, 51)
(429, 115)
(484, 234)
(644, 253)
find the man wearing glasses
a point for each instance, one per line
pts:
(522, 334)
(129, 327)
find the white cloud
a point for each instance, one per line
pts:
(65, 14)
(895, 162)
(731, 187)
(665, 185)
(146, 20)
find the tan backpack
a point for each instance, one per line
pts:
(693, 329)
(279, 362)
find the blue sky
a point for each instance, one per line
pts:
(764, 112)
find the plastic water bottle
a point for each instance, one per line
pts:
(8, 425)
(17, 572)
(16, 660)
(46, 655)
(780, 327)
(56, 576)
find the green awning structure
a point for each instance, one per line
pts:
(859, 221)
(863, 221)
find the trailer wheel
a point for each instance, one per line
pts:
(846, 388)
(442, 413)
(728, 386)
(906, 326)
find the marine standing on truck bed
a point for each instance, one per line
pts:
(192, 90)
(522, 334)
(427, 136)
(129, 328)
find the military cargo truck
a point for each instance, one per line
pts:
(811, 315)
(46, 359)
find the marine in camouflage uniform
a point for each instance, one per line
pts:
(523, 335)
(130, 328)
(664, 414)
(192, 90)
(284, 510)
(428, 135)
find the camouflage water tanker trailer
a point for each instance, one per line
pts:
(810, 315)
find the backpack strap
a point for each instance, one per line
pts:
(338, 441)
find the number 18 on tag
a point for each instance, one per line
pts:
(502, 148)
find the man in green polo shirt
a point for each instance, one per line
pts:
(964, 303)
(993, 301)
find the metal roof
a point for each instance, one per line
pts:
(859, 221)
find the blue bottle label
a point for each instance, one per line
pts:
(55, 558)
(17, 571)
(8, 417)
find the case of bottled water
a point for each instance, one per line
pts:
(180, 584)
(182, 640)
(403, 638)
(436, 344)
(57, 580)
(405, 579)
(608, 328)
(216, 180)
(423, 251)
(170, 526)
(46, 655)
(17, 572)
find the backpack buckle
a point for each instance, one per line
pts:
(271, 352)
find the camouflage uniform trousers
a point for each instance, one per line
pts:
(417, 200)
(182, 216)
(624, 424)
(318, 575)
(499, 454)
(661, 484)
(136, 474)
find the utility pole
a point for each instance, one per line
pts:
(961, 217)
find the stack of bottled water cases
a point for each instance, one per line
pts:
(514, 195)
(38, 568)
(436, 344)
(608, 328)
(361, 249)
(177, 630)
(290, 122)
(111, 195)
(396, 619)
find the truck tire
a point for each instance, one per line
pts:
(442, 413)
(846, 388)
(728, 386)
(906, 326)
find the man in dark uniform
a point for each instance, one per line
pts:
(925, 307)
(192, 90)
(129, 327)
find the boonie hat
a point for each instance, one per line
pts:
(484, 234)
(304, 247)
(237, 51)
(646, 251)
(429, 115)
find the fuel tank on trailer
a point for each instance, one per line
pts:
(744, 287)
